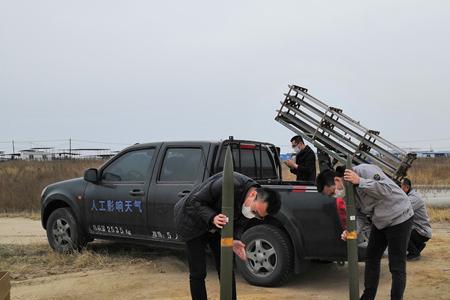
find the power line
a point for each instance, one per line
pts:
(98, 142)
(63, 140)
(32, 141)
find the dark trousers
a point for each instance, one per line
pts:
(416, 243)
(196, 252)
(396, 239)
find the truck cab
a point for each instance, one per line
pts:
(133, 194)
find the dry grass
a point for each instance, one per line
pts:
(33, 215)
(430, 171)
(38, 260)
(21, 182)
(439, 214)
(287, 175)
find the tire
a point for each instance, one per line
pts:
(63, 232)
(270, 257)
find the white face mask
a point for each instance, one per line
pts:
(339, 193)
(296, 150)
(247, 212)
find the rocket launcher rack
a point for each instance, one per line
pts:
(338, 135)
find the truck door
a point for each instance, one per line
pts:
(116, 205)
(180, 169)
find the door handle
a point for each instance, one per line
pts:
(183, 193)
(137, 193)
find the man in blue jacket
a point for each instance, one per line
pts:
(198, 221)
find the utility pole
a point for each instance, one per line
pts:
(14, 150)
(70, 148)
(352, 242)
(226, 243)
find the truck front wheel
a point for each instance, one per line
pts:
(269, 256)
(63, 233)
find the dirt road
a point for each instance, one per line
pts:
(21, 231)
(165, 276)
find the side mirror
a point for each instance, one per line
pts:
(91, 175)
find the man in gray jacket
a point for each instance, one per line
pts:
(391, 214)
(421, 229)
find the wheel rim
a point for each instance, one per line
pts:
(262, 258)
(61, 233)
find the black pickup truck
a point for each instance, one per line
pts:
(131, 198)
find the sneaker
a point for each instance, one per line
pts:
(412, 257)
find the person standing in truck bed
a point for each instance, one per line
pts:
(304, 165)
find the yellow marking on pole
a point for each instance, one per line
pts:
(352, 235)
(226, 242)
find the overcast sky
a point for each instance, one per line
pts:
(139, 71)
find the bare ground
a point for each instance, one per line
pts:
(111, 271)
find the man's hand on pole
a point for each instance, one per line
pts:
(220, 220)
(351, 176)
(239, 249)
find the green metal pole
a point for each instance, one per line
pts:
(352, 243)
(226, 256)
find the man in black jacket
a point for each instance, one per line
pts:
(305, 160)
(198, 221)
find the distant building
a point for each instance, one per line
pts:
(92, 153)
(426, 153)
(50, 153)
(432, 153)
(35, 154)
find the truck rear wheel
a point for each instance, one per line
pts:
(269, 256)
(63, 233)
